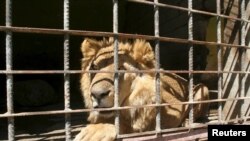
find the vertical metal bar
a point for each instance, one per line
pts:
(157, 67)
(219, 58)
(243, 57)
(9, 77)
(116, 66)
(66, 67)
(190, 60)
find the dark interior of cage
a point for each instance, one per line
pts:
(34, 51)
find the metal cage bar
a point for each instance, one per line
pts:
(116, 65)
(108, 34)
(67, 32)
(243, 58)
(66, 67)
(119, 108)
(157, 67)
(219, 59)
(186, 9)
(9, 77)
(190, 61)
(120, 71)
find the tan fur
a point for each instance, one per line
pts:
(135, 89)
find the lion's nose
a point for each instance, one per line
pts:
(99, 94)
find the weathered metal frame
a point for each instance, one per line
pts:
(9, 29)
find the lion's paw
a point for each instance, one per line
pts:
(97, 132)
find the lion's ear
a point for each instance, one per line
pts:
(143, 53)
(89, 47)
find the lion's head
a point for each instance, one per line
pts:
(98, 88)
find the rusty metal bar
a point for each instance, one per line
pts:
(118, 108)
(157, 67)
(116, 65)
(190, 62)
(219, 59)
(9, 77)
(110, 34)
(66, 67)
(187, 9)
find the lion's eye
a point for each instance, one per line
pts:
(93, 67)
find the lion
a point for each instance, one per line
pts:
(135, 89)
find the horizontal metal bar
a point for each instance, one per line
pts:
(118, 108)
(169, 130)
(111, 34)
(55, 31)
(176, 131)
(119, 71)
(186, 9)
(147, 135)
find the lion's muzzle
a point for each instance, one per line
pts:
(98, 95)
(102, 93)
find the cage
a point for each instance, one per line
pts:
(40, 61)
